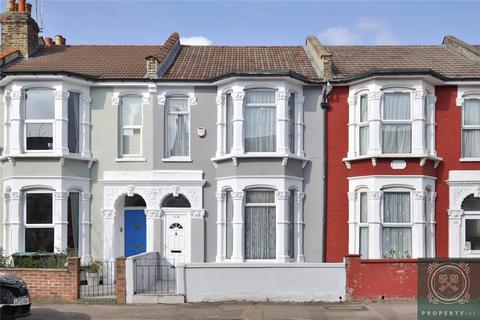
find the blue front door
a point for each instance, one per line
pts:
(135, 232)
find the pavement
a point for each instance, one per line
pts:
(373, 310)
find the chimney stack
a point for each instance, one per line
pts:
(22, 6)
(28, 6)
(58, 40)
(11, 5)
(48, 42)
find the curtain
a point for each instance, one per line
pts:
(292, 131)
(397, 243)
(396, 207)
(471, 112)
(178, 132)
(396, 138)
(229, 124)
(363, 207)
(363, 140)
(396, 106)
(364, 242)
(73, 122)
(39, 104)
(131, 141)
(260, 129)
(363, 108)
(260, 97)
(471, 143)
(260, 226)
(131, 111)
(228, 224)
(73, 217)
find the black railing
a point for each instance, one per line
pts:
(154, 276)
(98, 280)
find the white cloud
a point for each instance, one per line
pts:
(367, 30)
(196, 41)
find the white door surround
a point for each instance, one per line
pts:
(153, 187)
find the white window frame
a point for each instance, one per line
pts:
(80, 116)
(468, 127)
(292, 137)
(38, 121)
(360, 123)
(38, 225)
(224, 110)
(361, 224)
(132, 127)
(469, 215)
(166, 113)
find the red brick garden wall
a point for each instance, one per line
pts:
(51, 285)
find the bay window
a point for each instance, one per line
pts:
(471, 129)
(396, 124)
(131, 120)
(39, 119)
(260, 121)
(177, 128)
(39, 230)
(396, 229)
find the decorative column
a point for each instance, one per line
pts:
(455, 241)
(60, 133)
(17, 230)
(300, 226)
(86, 126)
(220, 126)
(238, 138)
(431, 101)
(220, 227)
(16, 123)
(300, 125)
(352, 224)
(6, 122)
(6, 222)
(418, 125)
(282, 122)
(237, 226)
(60, 221)
(282, 222)
(418, 229)
(153, 230)
(430, 214)
(375, 123)
(85, 223)
(108, 235)
(352, 127)
(375, 225)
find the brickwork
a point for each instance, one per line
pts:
(121, 283)
(19, 31)
(51, 285)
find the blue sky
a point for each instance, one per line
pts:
(260, 22)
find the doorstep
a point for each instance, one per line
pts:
(158, 298)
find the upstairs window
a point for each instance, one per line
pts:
(177, 135)
(74, 122)
(471, 129)
(260, 121)
(292, 136)
(131, 126)
(39, 119)
(396, 127)
(363, 126)
(228, 123)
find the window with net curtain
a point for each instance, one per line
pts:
(131, 121)
(396, 230)
(471, 129)
(39, 119)
(396, 126)
(472, 222)
(260, 121)
(228, 224)
(363, 225)
(292, 135)
(228, 123)
(363, 126)
(260, 224)
(177, 135)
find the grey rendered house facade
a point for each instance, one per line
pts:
(203, 154)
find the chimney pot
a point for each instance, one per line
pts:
(48, 42)
(29, 8)
(58, 40)
(64, 41)
(22, 6)
(11, 5)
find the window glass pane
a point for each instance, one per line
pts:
(39, 208)
(471, 143)
(363, 108)
(176, 202)
(364, 242)
(260, 233)
(260, 97)
(177, 105)
(39, 239)
(131, 110)
(73, 216)
(229, 124)
(397, 243)
(39, 104)
(292, 131)
(228, 222)
(178, 135)
(135, 201)
(396, 207)
(131, 141)
(73, 122)
(363, 140)
(363, 207)
(291, 219)
(472, 233)
(260, 129)
(396, 138)
(471, 112)
(396, 106)
(260, 197)
(39, 136)
(471, 203)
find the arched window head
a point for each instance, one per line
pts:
(471, 203)
(176, 202)
(135, 201)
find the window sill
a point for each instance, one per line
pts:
(261, 155)
(394, 156)
(469, 159)
(131, 159)
(177, 159)
(48, 155)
